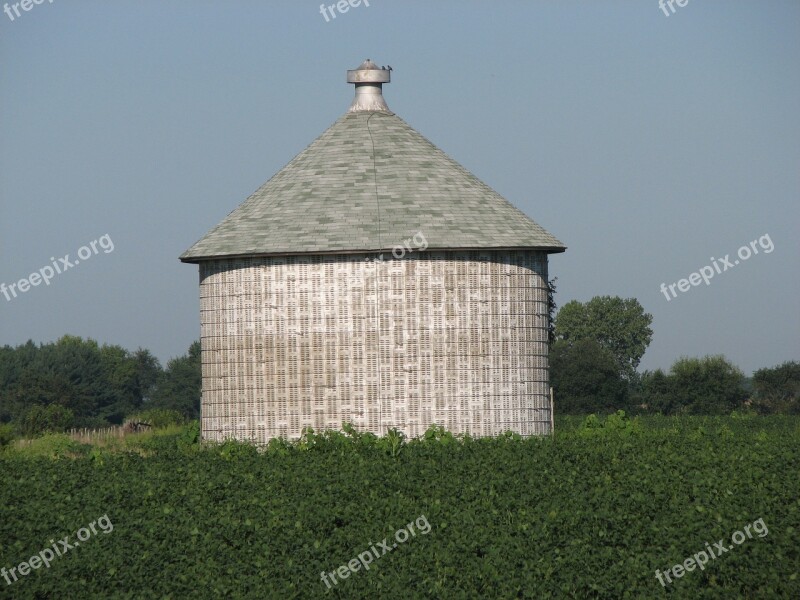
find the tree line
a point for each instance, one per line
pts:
(78, 383)
(595, 351)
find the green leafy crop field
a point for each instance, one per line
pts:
(591, 513)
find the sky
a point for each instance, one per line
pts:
(654, 144)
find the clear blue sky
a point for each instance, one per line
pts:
(647, 143)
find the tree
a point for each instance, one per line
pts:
(179, 386)
(620, 326)
(98, 384)
(709, 385)
(777, 390)
(585, 378)
(132, 376)
(654, 393)
(148, 370)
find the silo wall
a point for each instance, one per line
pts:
(455, 338)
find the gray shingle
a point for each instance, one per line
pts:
(336, 197)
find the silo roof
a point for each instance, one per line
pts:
(365, 185)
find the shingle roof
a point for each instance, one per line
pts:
(366, 184)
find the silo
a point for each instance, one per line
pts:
(373, 280)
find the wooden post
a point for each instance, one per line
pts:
(552, 422)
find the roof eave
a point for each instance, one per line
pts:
(204, 258)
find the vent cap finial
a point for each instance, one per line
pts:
(369, 79)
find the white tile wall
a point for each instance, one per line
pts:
(453, 338)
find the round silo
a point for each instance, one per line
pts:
(374, 280)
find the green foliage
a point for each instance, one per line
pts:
(307, 439)
(777, 390)
(52, 418)
(237, 450)
(585, 377)
(191, 435)
(393, 442)
(708, 386)
(164, 440)
(584, 515)
(591, 423)
(617, 424)
(53, 445)
(620, 326)
(361, 439)
(699, 386)
(7, 434)
(99, 384)
(744, 415)
(179, 385)
(158, 417)
(440, 434)
(279, 446)
(655, 393)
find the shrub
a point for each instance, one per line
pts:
(615, 425)
(191, 435)
(591, 422)
(52, 418)
(279, 446)
(234, 450)
(439, 434)
(392, 443)
(777, 390)
(6, 435)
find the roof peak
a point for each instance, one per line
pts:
(369, 79)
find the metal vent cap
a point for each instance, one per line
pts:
(369, 79)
